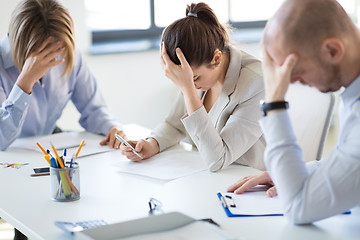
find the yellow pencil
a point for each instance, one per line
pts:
(42, 149)
(57, 157)
(81, 144)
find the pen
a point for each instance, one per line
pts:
(72, 160)
(128, 144)
(81, 145)
(42, 149)
(53, 162)
(48, 152)
(57, 157)
(224, 202)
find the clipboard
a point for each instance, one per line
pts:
(225, 204)
(227, 208)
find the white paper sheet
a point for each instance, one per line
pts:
(167, 165)
(253, 202)
(68, 140)
(196, 230)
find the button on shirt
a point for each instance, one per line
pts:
(24, 115)
(318, 189)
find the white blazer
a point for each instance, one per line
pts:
(230, 131)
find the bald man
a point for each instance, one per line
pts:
(316, 43)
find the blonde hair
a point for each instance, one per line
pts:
(33, 22)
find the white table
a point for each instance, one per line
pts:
(115, 197)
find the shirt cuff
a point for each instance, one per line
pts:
(277, 128)
(106, 127)
(195, 122)
(19, 98)
(312, 166)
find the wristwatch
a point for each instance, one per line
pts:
(266, 107)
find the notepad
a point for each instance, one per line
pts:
(251, 203)
(68, 140)
(168, 165)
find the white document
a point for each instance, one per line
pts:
(170, 164)
(253, 202)
(68, 140)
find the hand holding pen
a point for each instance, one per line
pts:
(145, 148)
(123, 141)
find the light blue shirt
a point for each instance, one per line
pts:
(318, 189)
(24, 115)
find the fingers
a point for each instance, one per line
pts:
(289, 63)
(44, 45)
(111, 139)
(267, 60)
(251, 182)
(237, 184)
(105, 140)
(140, 144)
(163, 64)
(165, 57)
(128, 151)
(51, 57)
(181, 57)
(51, 47)
(271, 192)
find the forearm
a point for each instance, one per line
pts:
(12, 115)
(167, 135)
(192, 100)
(283, 157)
(220, 148)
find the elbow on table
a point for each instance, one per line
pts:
(215, 166)
(3, 147)
(296, 215)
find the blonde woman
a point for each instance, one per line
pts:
(40, 72)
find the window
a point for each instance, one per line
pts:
(138, 23)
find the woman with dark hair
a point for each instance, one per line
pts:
(221, 88)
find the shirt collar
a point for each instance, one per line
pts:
(351, 93)
(6, 53)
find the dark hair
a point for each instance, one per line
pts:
(198, 35)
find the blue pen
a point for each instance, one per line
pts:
(53, 162)
(48, 151)
(72, 160)
(64, 156)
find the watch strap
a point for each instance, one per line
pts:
(266, 107)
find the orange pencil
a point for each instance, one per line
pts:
(57, 157)
(42, 149)
(81, 144)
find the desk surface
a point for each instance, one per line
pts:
(115, 197)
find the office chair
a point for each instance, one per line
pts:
(310, 113)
